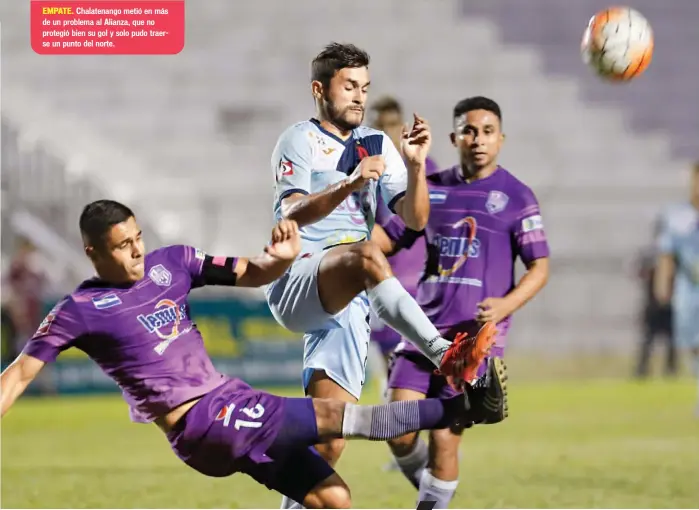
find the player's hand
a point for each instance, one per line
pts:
(416, 141)
(286, 241)
(370, 169)
(493, 309)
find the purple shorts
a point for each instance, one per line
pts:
(412, 371)
(235, 428)
(386, 339)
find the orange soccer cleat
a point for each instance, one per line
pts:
(466, 354)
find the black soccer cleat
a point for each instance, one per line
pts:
(486, 399)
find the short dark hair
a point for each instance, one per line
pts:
(477, 103)
(336, 56)
(387, 104)
(100, 216)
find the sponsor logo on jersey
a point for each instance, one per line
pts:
(460, 247)
(497, 201)
(198, 254)
(457, 246)
(286, 168)
(329, 151)
(160, 275)
(108, 301)
(165, 322)
(532, 223)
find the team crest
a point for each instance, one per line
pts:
(160, 275)
(497, 201)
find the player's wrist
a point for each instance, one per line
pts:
(353, 183)
(417, 167)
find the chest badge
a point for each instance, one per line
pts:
(497, 201)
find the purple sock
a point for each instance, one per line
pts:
(379, 423)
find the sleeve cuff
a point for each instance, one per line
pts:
(291, 191)
(394, 200)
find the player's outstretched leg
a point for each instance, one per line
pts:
(486, 403)
(345, 271)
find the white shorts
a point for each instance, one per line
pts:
(337, 344)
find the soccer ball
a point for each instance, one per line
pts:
(618, 43)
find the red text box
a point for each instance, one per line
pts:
(105, 27)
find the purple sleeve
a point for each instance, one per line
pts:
(383, 214)
(395, 228)
(430, 166)
(528, 231)
(192, 260)
(56, 333)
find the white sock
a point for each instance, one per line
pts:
(413, 464)
(290, 503)
(398, 309)
(434, 489)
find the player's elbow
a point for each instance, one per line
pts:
(540, 267)
(414, 216)
(291, 206)
(417, 221)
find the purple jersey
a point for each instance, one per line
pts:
(407, 265)
(141, 335)
(474, 234)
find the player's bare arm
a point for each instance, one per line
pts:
(308, 209)
(274, 261)
(496, 309)
(380, 238)
(414, 207)
(15, 379)
(390, 245)
(663, 278)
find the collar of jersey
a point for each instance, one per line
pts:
(98, 283)
(460, 178)
(316, 122)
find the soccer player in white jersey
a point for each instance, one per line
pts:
(677, 270)
(328, 172)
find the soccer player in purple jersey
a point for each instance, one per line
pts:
(482, 218)
(133, 320)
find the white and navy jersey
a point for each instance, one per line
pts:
(679, 237)
(307, 159)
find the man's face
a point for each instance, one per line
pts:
(345, 98)
(478, 138)
(121, 256)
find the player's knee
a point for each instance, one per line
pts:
(331, 493)
(337, 497)
(444, 451)
(372, 263)
(332, 450)
(403, 445)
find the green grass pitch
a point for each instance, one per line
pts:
(566, 444)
